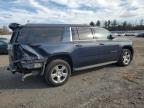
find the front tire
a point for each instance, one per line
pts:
(57, 72)
(125, 58)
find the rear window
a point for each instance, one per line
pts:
(40, 35)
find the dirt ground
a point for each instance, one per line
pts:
(105, 87)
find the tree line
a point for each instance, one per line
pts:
(4, 30)
(114, 25)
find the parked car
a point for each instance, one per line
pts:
(118, 34)
(140, 35)
(55, 51)
(3, 45)
(130, 34)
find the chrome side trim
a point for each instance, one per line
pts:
(92, 66)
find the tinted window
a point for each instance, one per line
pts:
(66, 34)
(40, 35)
(101, 33)
(85, 33)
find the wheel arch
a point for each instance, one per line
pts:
(63, 56)
(129, 47)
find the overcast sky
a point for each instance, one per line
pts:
(69, 11)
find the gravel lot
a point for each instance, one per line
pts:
(105, 87)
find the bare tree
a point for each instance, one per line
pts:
(4, 30)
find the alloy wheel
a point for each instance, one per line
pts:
(59, 73)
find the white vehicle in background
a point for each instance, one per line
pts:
(5, 36)
(140, 35)
(118, 34)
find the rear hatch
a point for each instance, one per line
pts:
(20, 52)
(32, 43)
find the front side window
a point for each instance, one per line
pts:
(85, 33)
(40, 34)
(101, 33)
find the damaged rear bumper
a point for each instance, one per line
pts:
(25, 67)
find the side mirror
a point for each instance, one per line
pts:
(110, 37)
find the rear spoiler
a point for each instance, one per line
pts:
(14, 26)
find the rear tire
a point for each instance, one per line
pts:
(125, 58)
(57, 72)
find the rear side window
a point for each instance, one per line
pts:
(85, 33)
(101, 33)
(40, 35)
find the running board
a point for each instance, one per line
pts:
(93, 66)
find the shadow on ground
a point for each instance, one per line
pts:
(10, 81)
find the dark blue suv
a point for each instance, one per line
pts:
(54, 51)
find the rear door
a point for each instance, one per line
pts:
(86, 51)
(109, 49)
